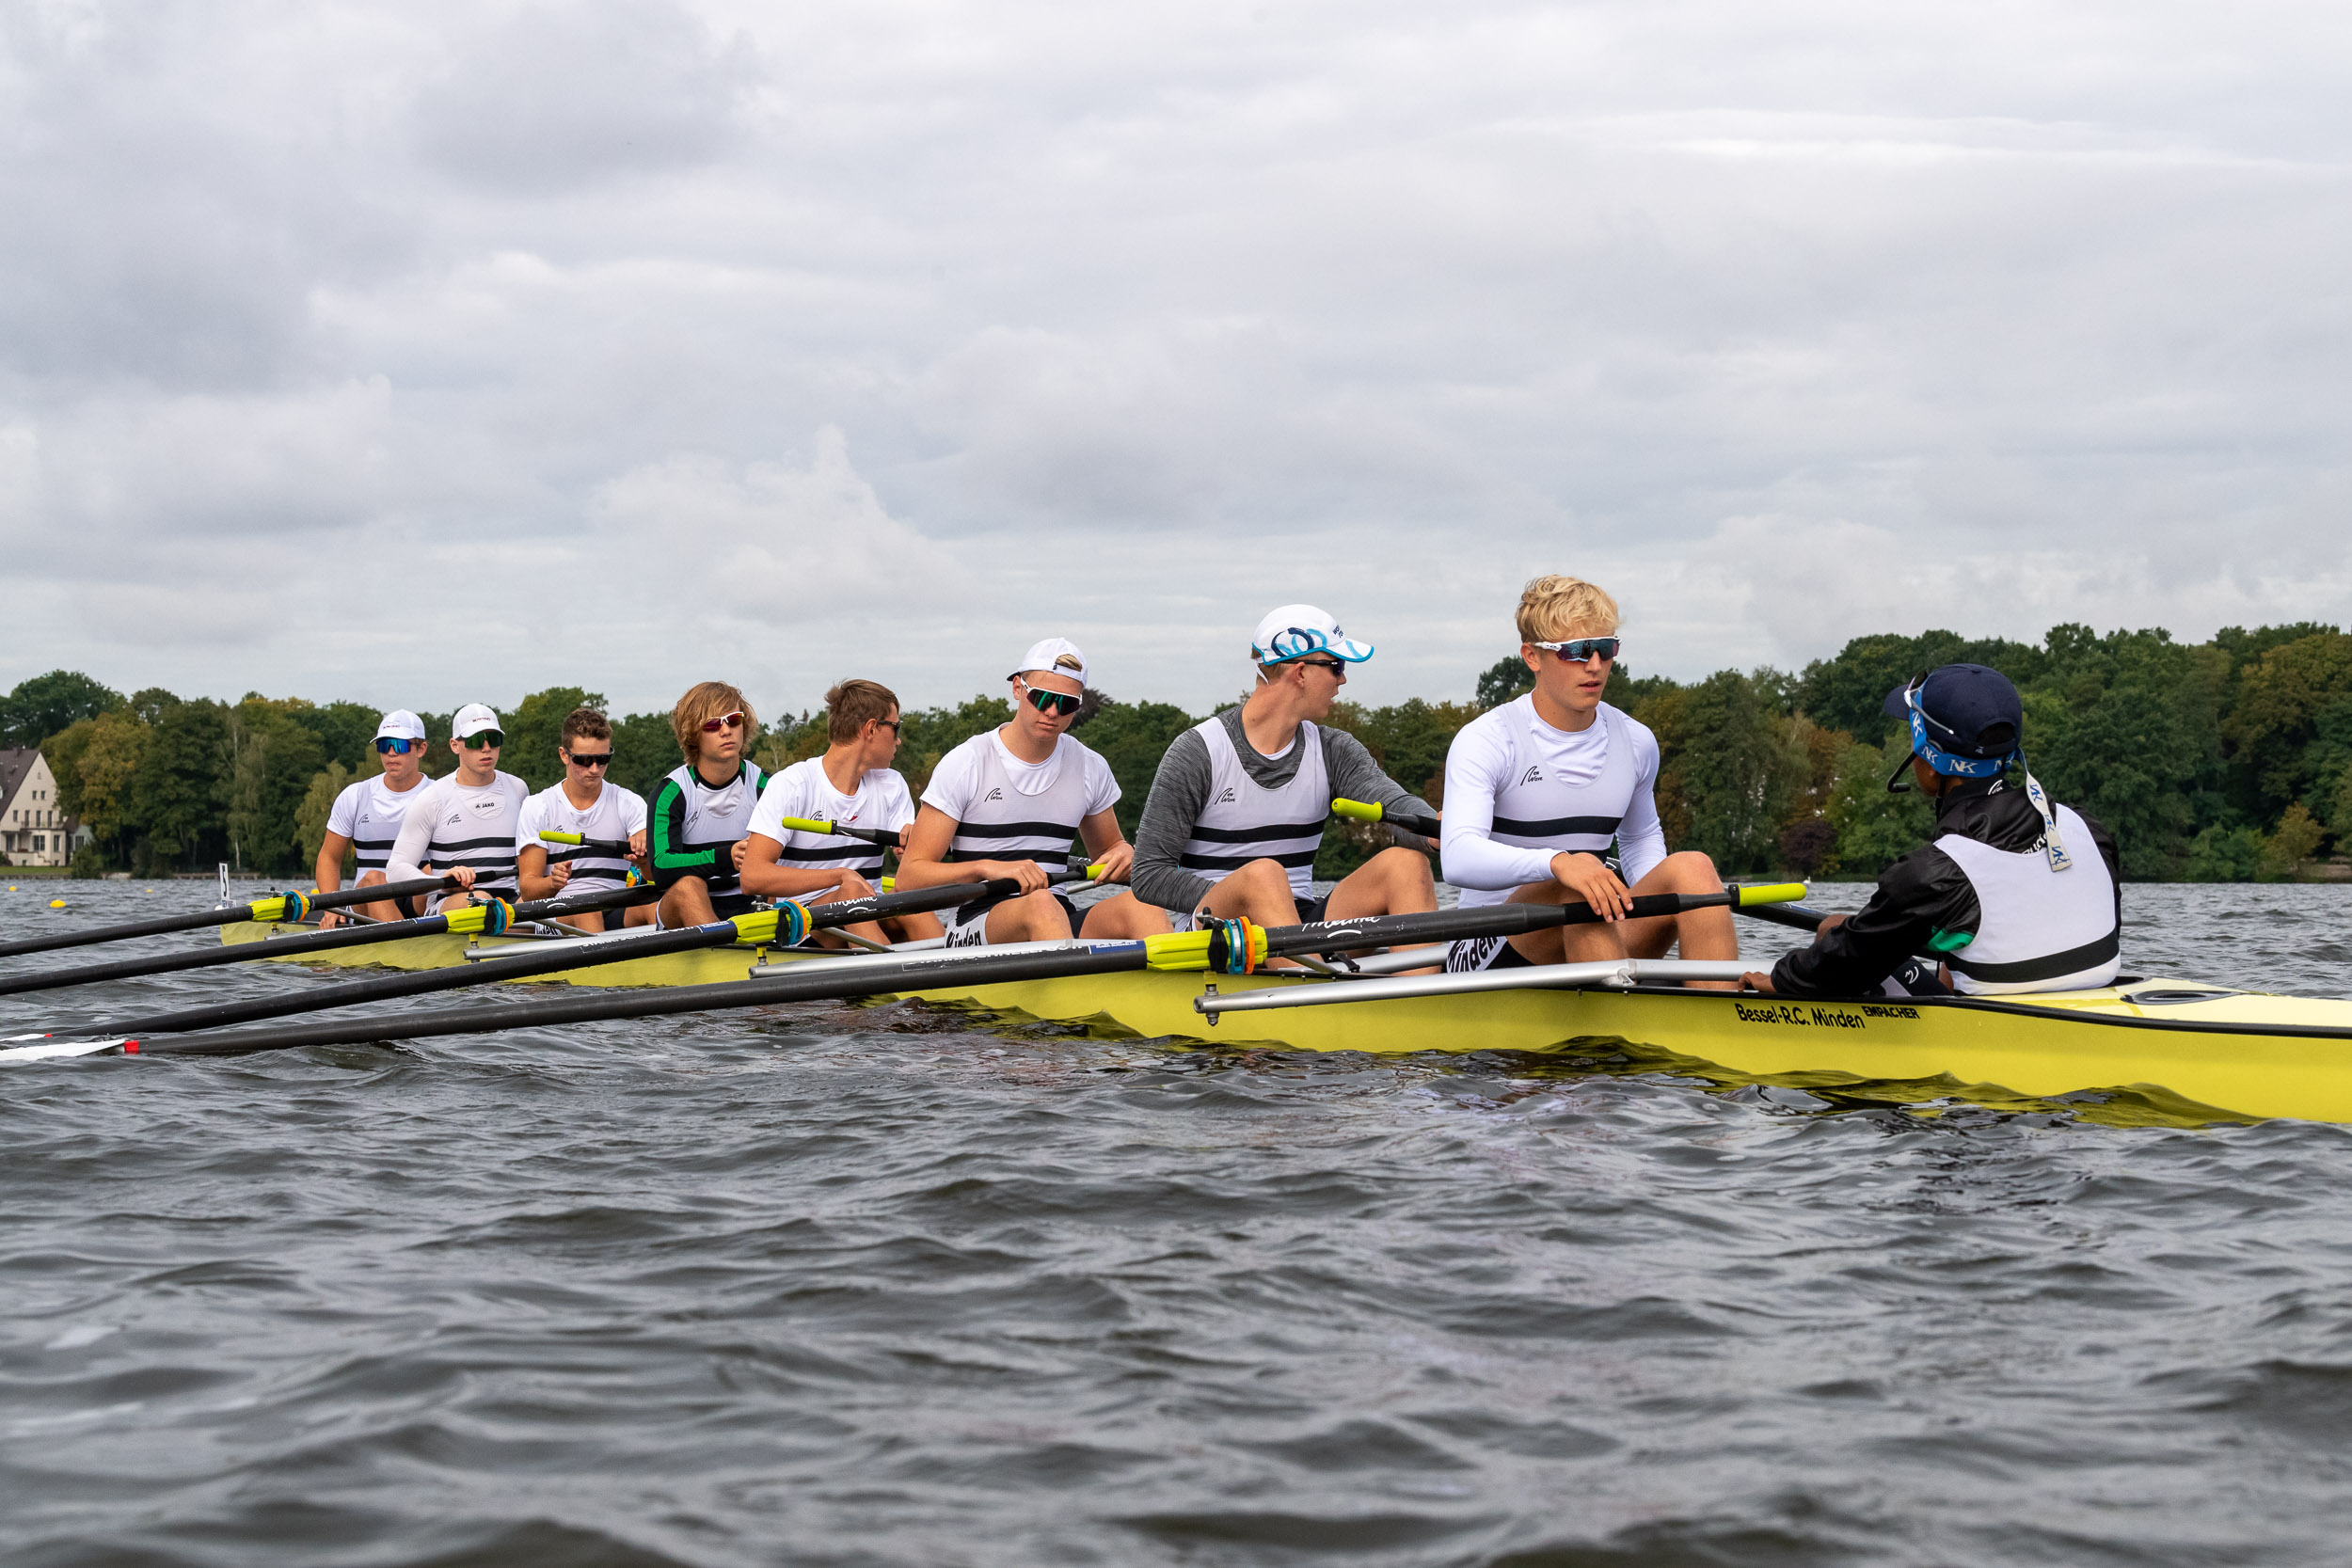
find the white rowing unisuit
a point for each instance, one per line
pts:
(1518, 792)
(615, 813)
(453, 824)
(369, 813)
(1006, 809)
(882, 803)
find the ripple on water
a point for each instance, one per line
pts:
(900, 1286)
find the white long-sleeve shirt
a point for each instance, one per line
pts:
(1510, 753)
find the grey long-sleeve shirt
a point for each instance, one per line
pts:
(1180, 791)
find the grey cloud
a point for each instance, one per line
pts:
(552, 99)
(1131, 319)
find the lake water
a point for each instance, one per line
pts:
(863, 1287)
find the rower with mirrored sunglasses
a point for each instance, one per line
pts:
(1539, 790)
(1008, 802)
(463, 824)
(697, 825)
(365, 819)
(1236, 818)
(584, 802)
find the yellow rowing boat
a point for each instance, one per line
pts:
(2160, 1051)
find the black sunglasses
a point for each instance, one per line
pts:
(1578, 649)
(480, 738)
(589, 759)
(1053, 702)
(1331, 664)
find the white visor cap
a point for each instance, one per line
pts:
(1297, 630)
(472, 720)
(400, 724)
(1040, 660)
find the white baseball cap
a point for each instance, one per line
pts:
(1041, 657)
(1297, 630)
(472, 720)
(400, 724)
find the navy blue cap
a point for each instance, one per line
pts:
(1962, 710)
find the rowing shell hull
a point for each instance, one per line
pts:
(2235, 1054)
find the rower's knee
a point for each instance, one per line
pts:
(1407, 867)
(371, 879)
(1690, 871)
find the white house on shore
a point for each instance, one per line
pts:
(33, 831)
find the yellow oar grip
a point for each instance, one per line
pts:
(1777, 893)
(1360, 810)
(1177, 950)
(552, 836)
(1094, 872)
(284, 907)
(803, 825)
(782, 926)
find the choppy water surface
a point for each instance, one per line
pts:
(894, 1285)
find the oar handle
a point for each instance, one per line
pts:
(585, 845)
(1364, 811)
(839, 830)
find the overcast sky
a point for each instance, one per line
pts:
(424, 352)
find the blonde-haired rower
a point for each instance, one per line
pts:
(696, 827)
(1536, 790)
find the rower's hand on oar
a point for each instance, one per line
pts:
(1116, 862)
(1026, 875)
(1758, 980)
(1589, 878)
(560, 873)
(463, 876)
(742, 846)
(637, 849)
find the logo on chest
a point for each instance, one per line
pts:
(1533, 775)
(1224, 797)
(992, 795)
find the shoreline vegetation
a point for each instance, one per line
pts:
(2228, 760)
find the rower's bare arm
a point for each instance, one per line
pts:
(765, 879)
(924, 864)
(1105, 842)
(538, 878)
(329, 874)
(1589, 878)
(924, 861)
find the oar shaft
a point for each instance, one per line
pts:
(1493, 920)
(556, 959)
(165, 924)
(310, 942)
(821, 982)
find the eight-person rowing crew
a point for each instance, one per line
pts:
(1548, 799)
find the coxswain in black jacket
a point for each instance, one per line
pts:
(1968, 726)
(1924, 904)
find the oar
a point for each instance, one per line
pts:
(1226, 946)
(782, 926)
(1797, 917)
(817, 825)
(1364, 811)
(276, 907)
(586, 846)
(488, 919)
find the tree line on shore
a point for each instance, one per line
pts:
(2218, 761)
